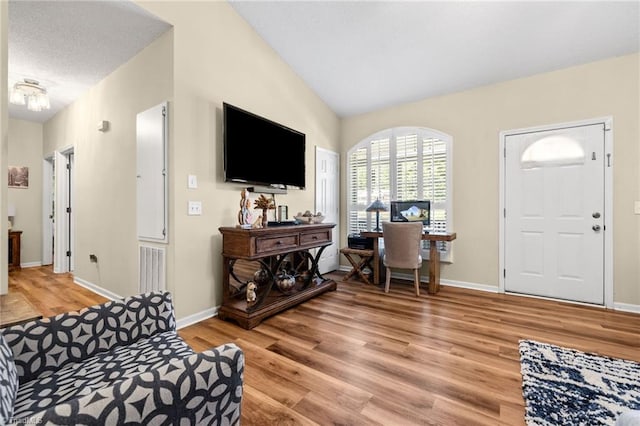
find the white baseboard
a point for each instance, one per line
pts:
(180, 323)
(197, 317)
(30, 264)
(471, 286)
(452, 283)
(97, 289)
(626, 307)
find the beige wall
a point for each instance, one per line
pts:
(219, 58)
(25, 149)
(4, 143)
(475, 118)
(105, 163)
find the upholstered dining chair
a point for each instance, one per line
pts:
(402, 249)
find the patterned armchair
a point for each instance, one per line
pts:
(119, 362)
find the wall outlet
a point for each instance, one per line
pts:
(195, 208)
(636, 207)
(93, 258)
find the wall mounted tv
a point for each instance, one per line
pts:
(260, 151)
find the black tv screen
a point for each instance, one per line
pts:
(411, 211)
(260, 151)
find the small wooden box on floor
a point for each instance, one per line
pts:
(265, 256)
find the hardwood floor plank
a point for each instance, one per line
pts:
(360, 356)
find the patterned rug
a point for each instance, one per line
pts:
(568, 387)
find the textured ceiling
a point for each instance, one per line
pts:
(362, 56)
(69, 46)
(357, 56)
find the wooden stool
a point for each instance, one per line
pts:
(366, 256)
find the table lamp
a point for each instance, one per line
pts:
(377, 206)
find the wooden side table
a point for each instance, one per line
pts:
(14, 250)
(366, 256)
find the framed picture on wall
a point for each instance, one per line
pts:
(18, 177)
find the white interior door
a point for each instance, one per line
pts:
(64, 216)
(554, 213)
(47, 211)
(328, 202)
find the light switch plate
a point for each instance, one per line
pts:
(193, 182)
(195, 208)
(636, 207)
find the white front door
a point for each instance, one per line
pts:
(554, 213)
(327, 202)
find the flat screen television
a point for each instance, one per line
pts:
(411, 211)
(260, 151)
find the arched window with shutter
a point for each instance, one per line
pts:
(402, 163)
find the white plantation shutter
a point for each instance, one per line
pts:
(358, 173)
(436, 183)
(403, 163)
(407, 179)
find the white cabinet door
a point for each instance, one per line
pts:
(151, 171)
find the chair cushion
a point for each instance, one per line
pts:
(8, 381)
(102, 370)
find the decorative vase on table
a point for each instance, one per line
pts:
(264, 218)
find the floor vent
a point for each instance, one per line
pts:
(152, 269)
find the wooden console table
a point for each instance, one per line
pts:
(434, 256)
(14, 250)
(277, 261)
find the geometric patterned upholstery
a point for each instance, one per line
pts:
(102, 370)
(203, 389)
(43, 346)
(8, 382)
(120, 362)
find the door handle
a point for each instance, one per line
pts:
(595, 215)
(596, 228)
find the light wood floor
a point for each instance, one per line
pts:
(359, 356)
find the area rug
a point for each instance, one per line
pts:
(568, 387)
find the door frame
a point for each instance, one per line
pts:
(608, 198)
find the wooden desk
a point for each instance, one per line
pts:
(434, 256)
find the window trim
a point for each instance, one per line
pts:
(392, 134)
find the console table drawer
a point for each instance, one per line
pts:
(315, 237)
(282, 242)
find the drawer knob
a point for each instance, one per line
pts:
(315, 237)
(279, 243)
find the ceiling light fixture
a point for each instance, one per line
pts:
(30, 92)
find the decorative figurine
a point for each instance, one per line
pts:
(251, 292)
(245, 216)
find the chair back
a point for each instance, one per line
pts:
(402, 244)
